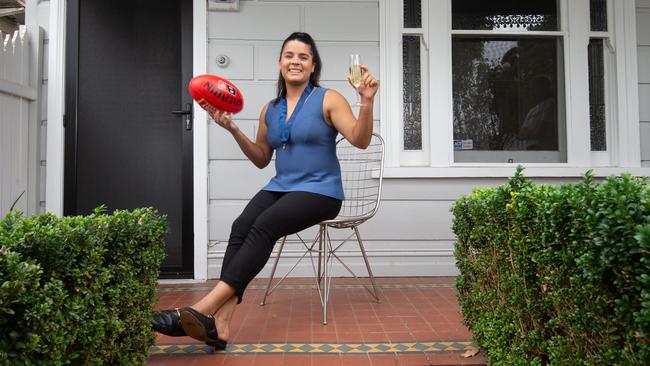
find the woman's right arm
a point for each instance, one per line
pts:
(258, 152)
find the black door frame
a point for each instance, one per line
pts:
(70, 125)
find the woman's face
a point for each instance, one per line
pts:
(296, 62)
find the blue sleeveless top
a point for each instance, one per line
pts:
(308, 162)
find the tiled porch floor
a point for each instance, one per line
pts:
(417, 323)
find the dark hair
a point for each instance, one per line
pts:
(315, 76)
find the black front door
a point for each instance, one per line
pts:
(128, 65)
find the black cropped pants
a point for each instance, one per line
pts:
(268, 217)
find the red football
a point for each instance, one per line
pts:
(213, 92)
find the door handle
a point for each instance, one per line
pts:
(187, 112)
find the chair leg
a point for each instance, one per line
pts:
(365, 259)
(275, 266)
(319, 273)
(326, 280)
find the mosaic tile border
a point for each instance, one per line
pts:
(313, 287)
(316, 348)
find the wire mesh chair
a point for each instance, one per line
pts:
(362, 171)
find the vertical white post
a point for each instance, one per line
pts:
(390, 75)
(578, 126)
(200, 148)
(56, 109)
(441, 111)
(627, 88)
(36, 76)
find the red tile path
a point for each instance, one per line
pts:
(425, 313)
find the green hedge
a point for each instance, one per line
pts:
(79, 290)
(557, 275)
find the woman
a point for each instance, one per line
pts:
(301, 125)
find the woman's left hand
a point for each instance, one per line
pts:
(369, 85)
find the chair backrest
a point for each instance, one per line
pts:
(362, 171)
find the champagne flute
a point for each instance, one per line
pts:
(355, 75)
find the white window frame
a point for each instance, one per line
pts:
(604, 158)
(623, 136)
(561, 99)
(417, 157)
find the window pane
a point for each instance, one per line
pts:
(529, 15)
(412, 14)
(597, 95)
(505, 97)
(412, 93)
(598, 12)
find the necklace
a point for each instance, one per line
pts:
(285, 127)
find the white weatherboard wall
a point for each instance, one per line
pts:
(411, 234)
(643, 51)
(251, 38)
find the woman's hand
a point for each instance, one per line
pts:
(369, 85)
(357, 130)
(224, 119)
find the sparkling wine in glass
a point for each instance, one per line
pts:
(355, 75)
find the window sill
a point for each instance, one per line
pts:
(507, 171)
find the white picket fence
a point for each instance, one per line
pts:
(17, 104)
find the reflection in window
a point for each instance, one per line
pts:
(597, 95)
(505, 93)
(529, 15)
(412, 13)
(412, 93)
(598, 14)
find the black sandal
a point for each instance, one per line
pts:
(201, 327)
(168, 322)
